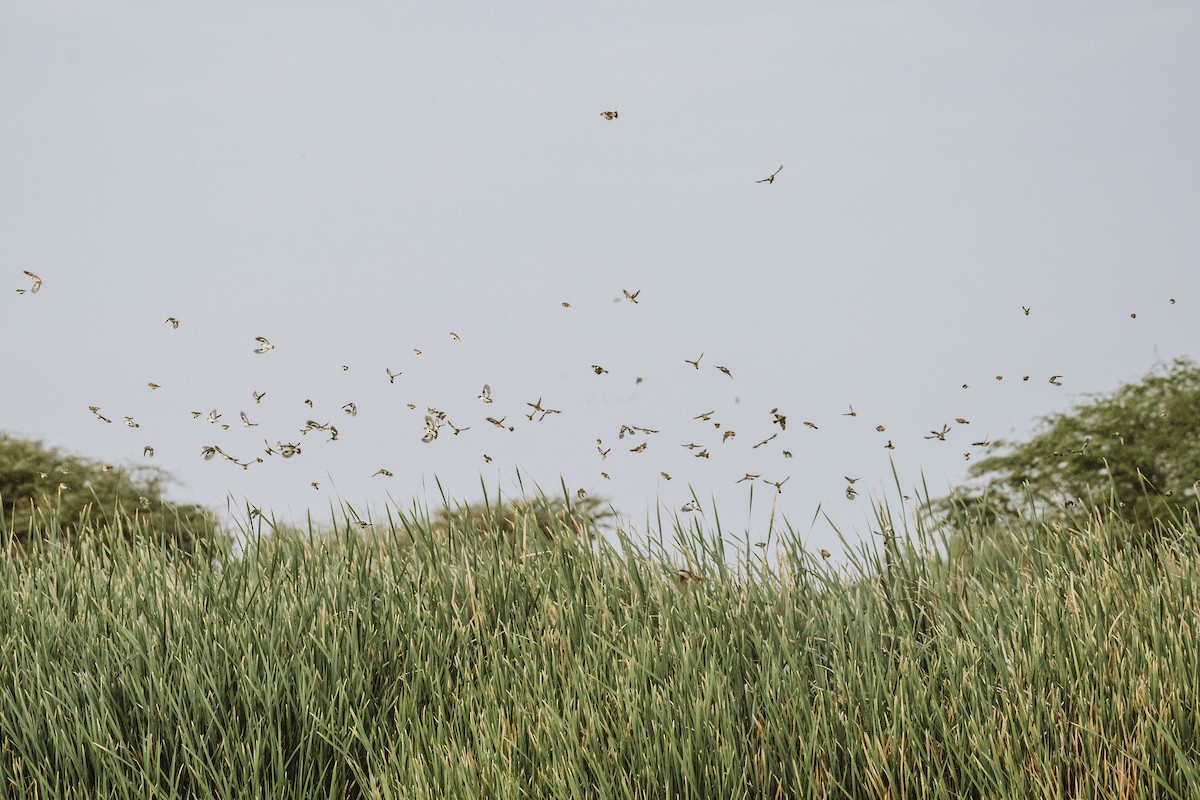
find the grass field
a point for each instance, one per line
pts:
(484, 658)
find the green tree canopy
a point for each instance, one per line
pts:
(41, 488)
(1135, 451)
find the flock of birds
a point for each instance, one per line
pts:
(437, 421)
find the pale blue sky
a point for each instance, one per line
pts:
(355, 181)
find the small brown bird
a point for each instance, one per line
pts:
(939, 435)
(631, 297)
(695, 363)
(639, 448)
(37, 282)
(725, 370)
(599, 370)
(725, 437)
(812, 425)
(1054, 379)
(174, 323)
(771, 178)
(610, 115)
(392, 375)
(264, 345)
(258, 396)
(383, 472)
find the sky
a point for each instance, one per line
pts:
(355, 182)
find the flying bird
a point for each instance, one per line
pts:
(37, 282)
(771, 178)
(631, 297)
(939, 435)
(174, 322)
(610, 115)
(486, 394)
(695, 363)
(265, 345)
(725, 370)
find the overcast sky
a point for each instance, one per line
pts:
(356, 181)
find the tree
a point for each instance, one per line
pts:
(1135, 452)
(42, 489)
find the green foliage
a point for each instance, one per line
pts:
(43, 489)
(487, 666)
(548, 517)
(1135, 452)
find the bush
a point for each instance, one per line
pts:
(42, 487)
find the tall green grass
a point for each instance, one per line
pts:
(491, 657)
